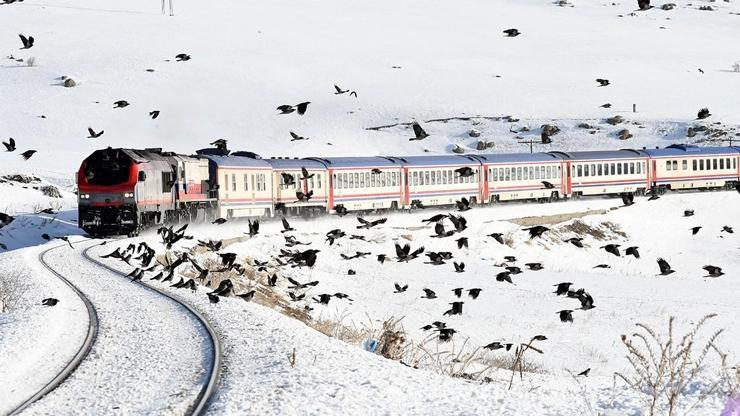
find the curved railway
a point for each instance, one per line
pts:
(212, 357)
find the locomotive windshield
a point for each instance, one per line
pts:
(107, 167)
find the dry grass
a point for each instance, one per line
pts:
(664, 366)
(554, 219)
(13, 288)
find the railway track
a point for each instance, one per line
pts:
(85, 347)
(214, 369)
(208, 376)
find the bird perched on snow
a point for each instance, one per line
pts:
(254, 227)
(182, 57)
(429, 294)
(219, 221)
(27, 154)
(419, 133)
(247, 296)
(27, 41)
(93, 134)
(9, 145)
(120, 104)
(511, 33)
(602, 82)
(340, 210)
(702, 114)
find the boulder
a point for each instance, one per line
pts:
(615, 120)
(69, 83)
(624, 134)
(668, 6)
(457, 149)
(50, 191)
(585, 126)
(690, 132)
(474, 133)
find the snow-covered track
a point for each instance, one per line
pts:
(87, 343)
(214, 368)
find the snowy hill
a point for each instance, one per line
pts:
(407, 61)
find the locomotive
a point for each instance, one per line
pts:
(122, 191)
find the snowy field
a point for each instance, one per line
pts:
(445, 64)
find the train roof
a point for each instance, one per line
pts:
(439, 160)
(287, 163)
(602, 154)
(518, 157)
(360, 162)
(236, 161)
(680, 150)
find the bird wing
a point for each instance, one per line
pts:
(336, 87)
(418, 130)
(286, 224)
(293, 135)
(399, 251)
(439, 229)
(362, 220)
(304, 172)
(23, 39)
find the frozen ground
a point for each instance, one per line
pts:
(628, 293)
(249, 58)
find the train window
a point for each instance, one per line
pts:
(632, 168)
(714, 163)
(593, 170)
(693, 164)
(494, 175)
(619, 168)
(318, 180)
(727, 163)
(585, 170)
(444, 177)
(246, 182)
(518, 174)
(335, 181)
(507, 176)
(394, 177)
(501, 174)
(721, 163)
(434, 179)
(701, 164)
(233, 182)
(415, 178)
(599, 169)
(367, 178)
(684, 165)
(427, 179)
(351, 183)
(667, 165)
(675, 164)
(709, 164)
(357, 180)
(612, 169)
(526, 174)
(373, 182)
(439, 177)
(312, 183)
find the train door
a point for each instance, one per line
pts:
(484, 185)
(330, 189)
(654, 172)
(405, 197)
(567, 180)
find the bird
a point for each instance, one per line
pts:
(154, 114)
(713, 271)
(120, 104)
(429, 294)
(303, 196)
(27, 41)
(566, 315)
(288, 179)
(584, 372)
(695, 230)
(534, 266)
(456, 309)
(435, 258)
(602, 82)
(65, 239)
(27, 154)
(547, 185)
(182, 57)
(632, 251)
(49, 301)
(562, 288)
(612, 249)
(254, 227)
(498, 237)
(334, 235)
(504, 277)
(305, 175)
(665, 268)
(381, 258)
(510, 259)
(701, 70)
(536, 231)
(576, 241)
(399, 288)
(213, 298)
(512, 32)
(93, 134)
(463, 204)
(415, 203)
(465, 172)
(727, 229)
(419, 133)
(587, 302)
(653, 196)
(702, 114)
(457, 292)
(459, 267)
(688, 213)
(300, 108)
(247, 296)
(340, 210)
(435, 218)
(445, 334)
(644, 4)
(462, 242)
(219, 221)
(474, 293)
(440, 232)
(405, 254)
(376, 171)
(286, 226)
(602, 266)
(272, 280)
(296, 137)
(607, 105)
(370, 224)
(9, 145)
(137, 274)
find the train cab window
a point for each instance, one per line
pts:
(675, 164)
(318, 180)
(667, 165)
(246, 188)
(226, 182)
(684, 165)
(714, 164)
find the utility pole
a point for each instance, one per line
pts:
(172, 11)
(531, 145)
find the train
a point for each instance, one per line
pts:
(123, 191)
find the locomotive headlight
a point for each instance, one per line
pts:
(128, 195)
(84, 196)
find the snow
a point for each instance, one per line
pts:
(247, 60)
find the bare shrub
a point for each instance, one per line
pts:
(448, 359)
(663, 368)
(13, 288)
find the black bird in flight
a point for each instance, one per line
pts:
(399, 288)
(303, 196)
(612, 249)
(602, 82)
(305, 175)
(340, 210)
(440, 232)
(286, 226)
(219, 221)
(665, 268)
(404, 253)
(93, 134)
(504, 277)
(512, 32)
(120, 104)
(419, 133)
(607, 105)
(154, 114)
(247, 296)
(562, 288)
(182, 57)
(713, 271)
(695, 230)
(536, 231)
(566, 315)
(702, 114)
(27, 154)
(456, 309)
(474, 293)
(370, 224)
(435, 218)
(288, 179)
(220, 144)
(465, 172)
(534, 266)
(548, 185)
(429, 294)
(688, 213)
(463, 204)
(498, 237)
(49, 301)
(727, 229)
(459, 267)
(643, 5)
(632, 251)
(462, 242)
(27, 41)
(296, 137)
(602, 266)
(9, 145)
(584, 372)
(300, 108)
